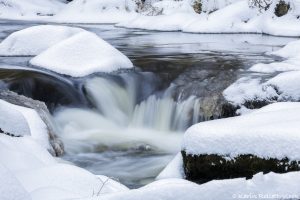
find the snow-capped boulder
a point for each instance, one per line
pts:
(37, 117)
(26, 122)
(12, 122)
(262, 141)
(81, 55)
(34, 40)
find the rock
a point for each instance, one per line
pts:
(282, 8)
(197, 6)
(42, 110)
(204, 168)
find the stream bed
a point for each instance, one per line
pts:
(128, 125)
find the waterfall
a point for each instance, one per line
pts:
(118, 103)
(127, 110)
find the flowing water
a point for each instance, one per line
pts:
(128, 125)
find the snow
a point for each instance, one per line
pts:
(28, 171)
(231, 17)
(264, 133)
(28, 9)
(173, 170)
(34, 40)
(29, 123)
(290, 52)
(281, 87)
(10, 187)
(8, 121)
(81, 55)
(95, 11)
(269, 186)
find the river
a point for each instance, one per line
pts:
(128, 125)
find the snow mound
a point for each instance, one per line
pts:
(10, 187)
(8, 118)
(173, 170)
(28, 171)
(269, 186)
(34, 40)
(29, 9)
(81, 55)
(282, 87)
(264, 133)
(291, 52)
(95, 11)
(29, 123)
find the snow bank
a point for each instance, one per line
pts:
(173, 170)
(29, 9)
(270, 132)
(28, 171)
(34, 40)
(168, 16)
(270, 186)
(10, 187)
(292, 54)
(282, 87)
(227, 17)
(95, 11)
(81, 55)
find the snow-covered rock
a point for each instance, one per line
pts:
(38, 118)
(270, 132)
(95, 11)
(29, 9)
(83, 54)
(28, 123)
(34, 40)
(265, 140)
(27, 167)
(291, 52)
(281, 87)
(8, 118)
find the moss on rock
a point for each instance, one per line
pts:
(204, 168)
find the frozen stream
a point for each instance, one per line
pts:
(128, 125)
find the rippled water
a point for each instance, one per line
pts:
(130, 128)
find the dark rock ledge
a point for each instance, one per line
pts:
(204, 168)
(42, 110)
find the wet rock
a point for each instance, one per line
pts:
(52, 89)
(204, 168)
(282, 8)
(42, 110)
(208, 86)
